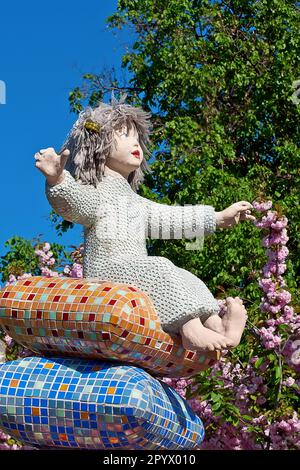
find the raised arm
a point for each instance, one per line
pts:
(74, 201)
(177, 222)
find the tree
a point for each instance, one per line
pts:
(218, 79)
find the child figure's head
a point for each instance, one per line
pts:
(106, 136)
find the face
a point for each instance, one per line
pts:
(127, 156)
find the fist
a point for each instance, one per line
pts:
(234, 214)
(51, 164)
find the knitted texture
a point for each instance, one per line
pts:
(117, 222)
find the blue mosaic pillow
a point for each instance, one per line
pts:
(87, 404)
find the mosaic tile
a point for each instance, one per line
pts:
(89, 404)
(110, 322)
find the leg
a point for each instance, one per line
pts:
(234, 320)
(214, 322)
(196, 336)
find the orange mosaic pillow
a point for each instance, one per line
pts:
(96, 320)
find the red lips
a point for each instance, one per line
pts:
(136, 153)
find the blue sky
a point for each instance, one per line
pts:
(45, 48)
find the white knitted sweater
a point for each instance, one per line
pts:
(117, 222)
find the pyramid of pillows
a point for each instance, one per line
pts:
(94, 382)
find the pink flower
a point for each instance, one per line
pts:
(275, 239)
(9, 341)
(67, 269)
(279, 224)
(267, 220)
(25, 276)
(267, 307)
(46, 247)
(267, 285)
(269, 339)
(279, 254)
(76, 270)
(289, 382)
(263, 206)
(282, 297)
(48, 273)
(272, 267)
(11, 280)
(288, 312)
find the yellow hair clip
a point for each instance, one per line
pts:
(92, 126)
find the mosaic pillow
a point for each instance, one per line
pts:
(96, 320)
(80, 403)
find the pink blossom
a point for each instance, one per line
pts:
(282, 298)
(25, 276)
(267, 285)
(269, 339)
(67, 269)
(279, 224)
(9, 341)
(289, 382)
(272, 267)
(46, 247)
(48, 273)
(267, 220)
(262, 207)
(278, 254)
(275, 239)
(46, 259)
(267, 307)
(76, 270)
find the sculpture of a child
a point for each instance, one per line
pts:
(93, 181)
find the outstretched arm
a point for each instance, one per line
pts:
(173, 222)
(75, 202)
(177, 222)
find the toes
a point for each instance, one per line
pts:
(231, 344)
(234, 299)
(244, 311)
(221, 344)
(231, 301)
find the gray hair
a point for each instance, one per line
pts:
(91, 139)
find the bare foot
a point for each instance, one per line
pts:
(214, 322)
(234, 320)
(196, 337)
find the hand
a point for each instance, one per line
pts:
(51, 164)
(234, 214)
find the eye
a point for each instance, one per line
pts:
(123, 131)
